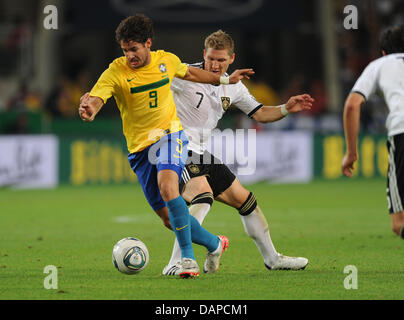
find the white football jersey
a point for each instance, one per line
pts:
(386, 76)
(200, 106)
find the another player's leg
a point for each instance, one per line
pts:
(199, 190)
(197, 211)
(155, 185)
(199, 208)
(171, 161)
(201, 200)
(395, 183)
(177, 211)
(256, 227)
(396, 216)
(397, 223)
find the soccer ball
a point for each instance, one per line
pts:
(130, 255)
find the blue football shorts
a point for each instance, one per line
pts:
(170, 152)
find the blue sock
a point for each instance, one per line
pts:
(179, 216)
(202, 236)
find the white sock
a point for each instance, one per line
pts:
(199, 211)
(256, 226)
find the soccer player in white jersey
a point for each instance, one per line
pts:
(205, 178)
(384, 75)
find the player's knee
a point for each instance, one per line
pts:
(195, 187)
(167, 191)
(205, 197)
(248, 206)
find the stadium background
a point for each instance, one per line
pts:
(293, 46)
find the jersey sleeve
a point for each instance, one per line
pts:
(177, 84)
(366, 85)
(180, 68)
(105, 86)
(245, 101)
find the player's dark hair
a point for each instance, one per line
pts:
(137, 28)
(392, 40)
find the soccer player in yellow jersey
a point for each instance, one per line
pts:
(140, 83)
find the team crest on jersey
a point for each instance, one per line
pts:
(163, 67)
(225, 103)
(194, 168)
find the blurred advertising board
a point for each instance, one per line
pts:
(29, 161)
(330, 149)
(269, 156)
(44, 161)
(94, 160)
(276, 157)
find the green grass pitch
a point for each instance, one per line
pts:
(333, 223)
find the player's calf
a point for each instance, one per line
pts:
(256, 227)
(248, 206)
(199, 208)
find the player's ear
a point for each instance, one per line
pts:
(232, 57)
(383, 52)
(149, 43)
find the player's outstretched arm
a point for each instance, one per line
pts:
(198, 75)
(295, 104)
(351, 128)
(89, 107)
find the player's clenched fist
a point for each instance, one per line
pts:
(89, 107)
(347, 165)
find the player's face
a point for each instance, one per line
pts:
(137, 54)
(217, 61)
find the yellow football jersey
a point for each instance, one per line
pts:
(143, 97)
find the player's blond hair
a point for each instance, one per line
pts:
(220, 40)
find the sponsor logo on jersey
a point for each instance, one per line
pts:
(225, 103)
